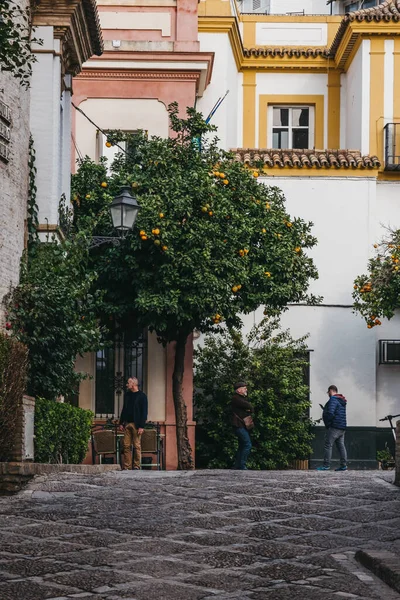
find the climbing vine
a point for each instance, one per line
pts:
(32, 219)
(15, 40)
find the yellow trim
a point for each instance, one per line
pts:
(377, 86)
(214, 8)
(249, 34)
(334, 109)
(249, 109)
(389, 176)
(227, 25)
(270, 172)
(396, 80)
(352, 53)
(265, 100)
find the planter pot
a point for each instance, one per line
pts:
(299, 465)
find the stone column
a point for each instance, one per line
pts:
(24, 435)
(397, 480)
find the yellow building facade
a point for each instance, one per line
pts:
(315, 98)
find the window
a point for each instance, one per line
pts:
(292, 127)
(360, 4)
(114, 364)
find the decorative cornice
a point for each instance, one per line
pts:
(77, 26)
(289, 52)
(134, 74)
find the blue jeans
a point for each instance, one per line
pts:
(335, 436)
(244, 448)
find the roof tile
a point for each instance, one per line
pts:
(338, 159)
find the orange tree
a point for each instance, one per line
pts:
(377, 293)
(210, 243)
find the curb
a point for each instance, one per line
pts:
(14, 476)
(383, 564)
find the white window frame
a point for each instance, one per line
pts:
(311, 121)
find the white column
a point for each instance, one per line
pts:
(46, 124)
(365, 96)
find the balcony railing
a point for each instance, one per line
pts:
(392, 147)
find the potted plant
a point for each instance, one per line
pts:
(385, 459)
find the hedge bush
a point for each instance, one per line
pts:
(273, 365)
(62, 432)
(13, 374)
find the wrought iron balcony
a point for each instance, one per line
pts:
(392, 147)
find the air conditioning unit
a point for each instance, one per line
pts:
(389, 352)
(256, 6)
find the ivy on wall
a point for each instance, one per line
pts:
(15, 41)
(32, 210)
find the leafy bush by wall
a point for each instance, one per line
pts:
(62, 432)
(13, 372)
(273, 365)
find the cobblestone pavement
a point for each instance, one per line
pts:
(202, 535)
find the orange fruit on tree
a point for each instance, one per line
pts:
(297, 249)
(165, 248)
(264, 230)
(142, 232)
(267, 273)
(144, 237)
(222, 175)
(241, 252)
(375, 245)
(103, 184)
(87, 196)
(155, 231)
(210, 213)
(235, 289)
(157, 242)
(225, 181)
(256, 174)
(204, 209)
(161, 215)
(267, 206)
(108, 144)
(135, 184)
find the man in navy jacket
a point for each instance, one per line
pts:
(133, 419)
(334, 417)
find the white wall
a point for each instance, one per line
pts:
(292, 84)
(225, 77)
(125, 114)
(344, 350)
(291, 34)
(356, 92)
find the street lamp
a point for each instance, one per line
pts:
(124, 209)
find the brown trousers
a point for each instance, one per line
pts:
(132, 438)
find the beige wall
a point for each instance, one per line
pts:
(85, 364)
(126, 114)
(156, 378)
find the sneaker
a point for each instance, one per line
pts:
(323, 468)
(341, 469)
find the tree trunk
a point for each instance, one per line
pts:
(185, 458)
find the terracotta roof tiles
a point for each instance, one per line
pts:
(338, 159)
(387, 11)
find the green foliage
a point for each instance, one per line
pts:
(13, 370)
(273, 365)
(209, 244)
(32, 210)
(15, 41)
(62, 432)
(53, 312)
(377, 293)
(384, 455)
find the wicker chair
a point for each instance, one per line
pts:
(104, 443)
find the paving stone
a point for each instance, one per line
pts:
(197, 535)
(27, 590)
(88, 580)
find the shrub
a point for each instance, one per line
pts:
(62, 432)
(13, 371)
(273, 365)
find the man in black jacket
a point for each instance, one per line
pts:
(241, 408)
(133, 419)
